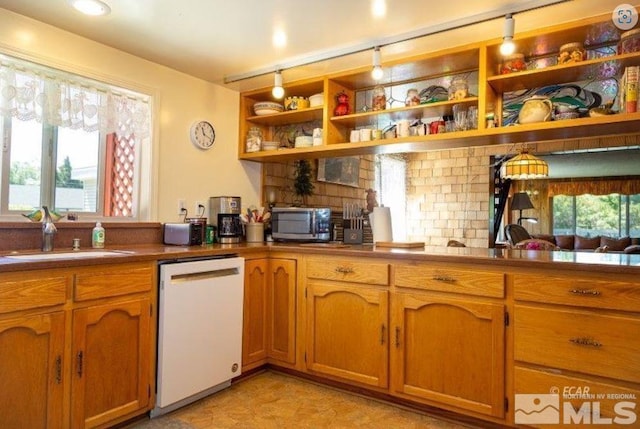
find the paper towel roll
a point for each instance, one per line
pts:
(381, 224)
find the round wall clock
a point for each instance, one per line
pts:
(202, 134)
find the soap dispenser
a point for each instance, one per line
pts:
(97, 236)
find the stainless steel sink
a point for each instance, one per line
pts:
(67, 255)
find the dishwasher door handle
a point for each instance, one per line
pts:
(204, 275)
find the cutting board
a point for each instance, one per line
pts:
(401, 244)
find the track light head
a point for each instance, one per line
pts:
(278, 90)
(377, 73)
(508, 47)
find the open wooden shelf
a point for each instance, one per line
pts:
(483, 58)
(610, 125)
(388, 116)
(288, 117)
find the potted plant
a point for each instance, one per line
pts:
(302, 185)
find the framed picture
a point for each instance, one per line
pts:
(344, 171)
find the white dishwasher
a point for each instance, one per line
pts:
(199, 329)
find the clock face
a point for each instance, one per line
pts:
(202, 134)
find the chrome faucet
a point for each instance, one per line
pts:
(48, 231)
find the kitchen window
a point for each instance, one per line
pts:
(70, 143)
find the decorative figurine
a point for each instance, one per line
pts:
(342, 107)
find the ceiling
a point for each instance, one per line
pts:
(219, 40)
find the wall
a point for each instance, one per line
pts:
(180, 170)
(449, 191)
(278, 177)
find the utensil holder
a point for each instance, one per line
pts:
(254, 232)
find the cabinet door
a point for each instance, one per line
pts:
(111, 361)
(254, 326)
(282, 310)
(347, 332)
(449, 351)
(31, 362)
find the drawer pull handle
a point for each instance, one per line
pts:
(397, 336)
(382, 329)
(79, 358)
(58, 369)
(584, 341)
(344, 270)
(445, 279)
(586, 292)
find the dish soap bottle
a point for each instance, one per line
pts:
(97, 236)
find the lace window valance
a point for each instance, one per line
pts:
(30, 91)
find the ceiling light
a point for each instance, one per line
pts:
(525, 166)
(91, 7)
(278, 90)
(279, 38)
(508, 47)
(377, 73)
(378, 8)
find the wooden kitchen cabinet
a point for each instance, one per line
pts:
(254, 326)
(77, 363)
(111, 360)
(31, 370)
(281, 311)
(269, 322)
(449, 351)
(579, 331)
(347, 332)
(347, 319)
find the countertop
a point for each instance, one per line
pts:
(573, 261)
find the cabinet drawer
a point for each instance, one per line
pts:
(579, 340)
(113, 280)
(445, 279)
(348, 270)
(583, 292)
(21, 291)
(533, 382)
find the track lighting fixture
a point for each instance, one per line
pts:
(508, 47)
(278, 90)
(377, 71)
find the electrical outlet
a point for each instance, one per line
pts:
(182, 206)
(197, 210)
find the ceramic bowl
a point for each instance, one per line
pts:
(267, 108)
(270, 145)
(316, 100)
(566, 115)
(304, 141)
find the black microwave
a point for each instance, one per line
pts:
(300, 224)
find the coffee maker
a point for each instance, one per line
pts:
(225, 216)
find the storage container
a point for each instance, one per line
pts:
(629, 41)
(513, 63)
(571, 53)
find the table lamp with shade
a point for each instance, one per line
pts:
(521, 201)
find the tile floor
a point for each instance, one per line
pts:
(274, 400)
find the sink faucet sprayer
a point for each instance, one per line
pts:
(48, 231)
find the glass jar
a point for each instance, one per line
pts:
(459, 89)
(413, 99)
(254, 139)
(513, 63)
(379, 101)
(571, 53)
